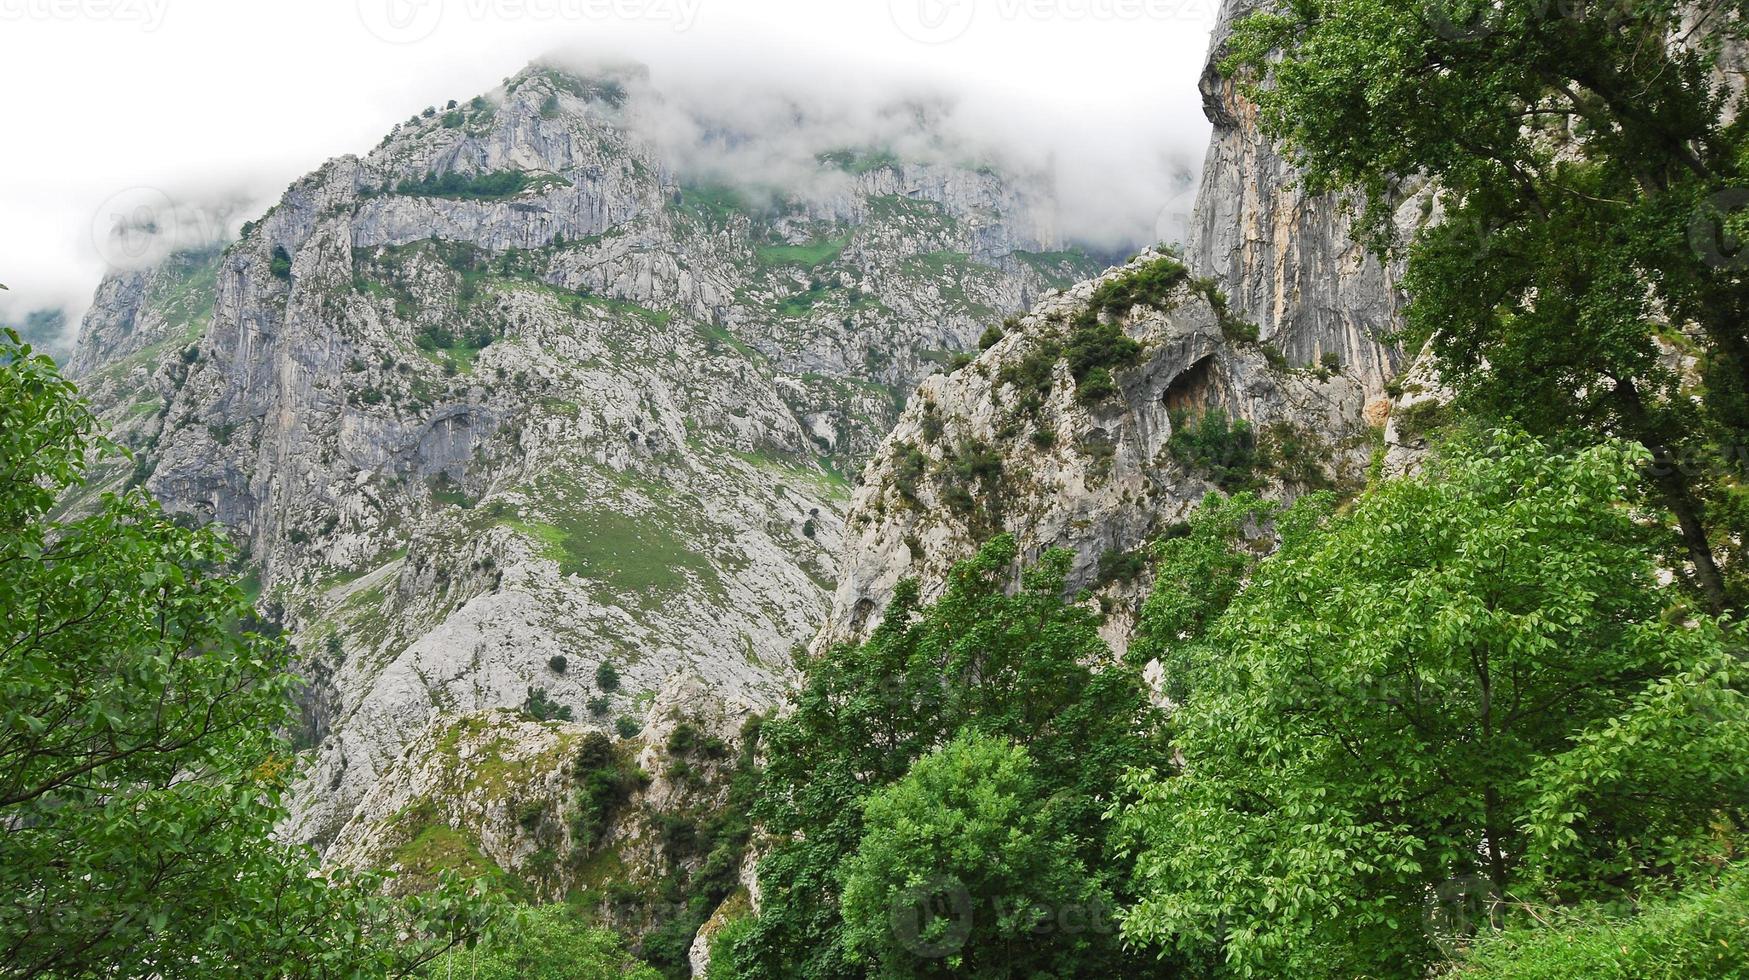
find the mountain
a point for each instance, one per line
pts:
(44, 330)
(512, 412)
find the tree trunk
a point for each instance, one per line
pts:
(1674, 487)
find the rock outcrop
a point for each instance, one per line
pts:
(1016, 443)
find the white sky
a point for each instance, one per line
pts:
(221, 98)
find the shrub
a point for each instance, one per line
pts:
(280, 264)
(607, 676)
(1222, 450)
(1033, 373)
(492, 186)
(1097, 386)
(542, 708)
(1148, 285)
(627, 727)
(1121, 566)
(547, 943)
(1696, 933)
(991, 336)
(909, 466)
(557, 663)
(1295, 455)
(605, 783)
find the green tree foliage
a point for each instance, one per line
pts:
(489, 187)
(1468, 677)
(1197, 575)
(965, 826)
(607, 676)
(552, 942)
(541, 707)
(140, 772)
(1147, 285)
(1592, 196)
(1021, 667)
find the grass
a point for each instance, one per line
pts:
(1703, 932)
(722, 335)
(817, 252)
(436, 847)
(715, 204)
(656, 318)
(632, 555)
(1060, 269)
(858, 161)
(495, 186)
(182, 293)
(906, 210)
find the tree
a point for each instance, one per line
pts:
(141, 768)
(1467, 684)
(962, 872)
(1198, 573)
(547, 943)
(1021, 666)
(1591, 188)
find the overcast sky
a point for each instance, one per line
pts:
(232, 99)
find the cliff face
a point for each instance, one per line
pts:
(1281, 320)
(506, 400)
(1285, 257)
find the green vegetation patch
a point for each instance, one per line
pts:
(858, 160)
(494, 186)
(632, 551)
(816, 252)
(714, 204)
(1146, 285)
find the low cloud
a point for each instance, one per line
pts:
(1122, 163)
(1121, 178)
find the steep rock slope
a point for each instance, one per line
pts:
(1028, 440)
(1278, 318)
(1285, 257)
(507, 400)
